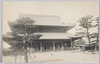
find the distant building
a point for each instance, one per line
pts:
(54, 33)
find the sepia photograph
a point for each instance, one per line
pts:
(50, 32)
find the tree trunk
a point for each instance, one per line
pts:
(26, 55)
(88, 36)
(97, 39)
(96, 44)
(15, 58)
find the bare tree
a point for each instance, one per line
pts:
(86, 22)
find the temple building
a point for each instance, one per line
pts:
(54, 33)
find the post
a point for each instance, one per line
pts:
(41, 47)
(53, 46)
(62, 45)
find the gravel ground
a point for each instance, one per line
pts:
(56, 57)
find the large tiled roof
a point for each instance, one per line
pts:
(45, 19)
(44, 23)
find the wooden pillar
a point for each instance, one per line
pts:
(53, 46)
(62, 46)
(41, 47)
(58, 46)
(71, 43)
(50, 46)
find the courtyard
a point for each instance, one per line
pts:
(70, 56)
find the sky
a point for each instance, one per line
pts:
(69, 11)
